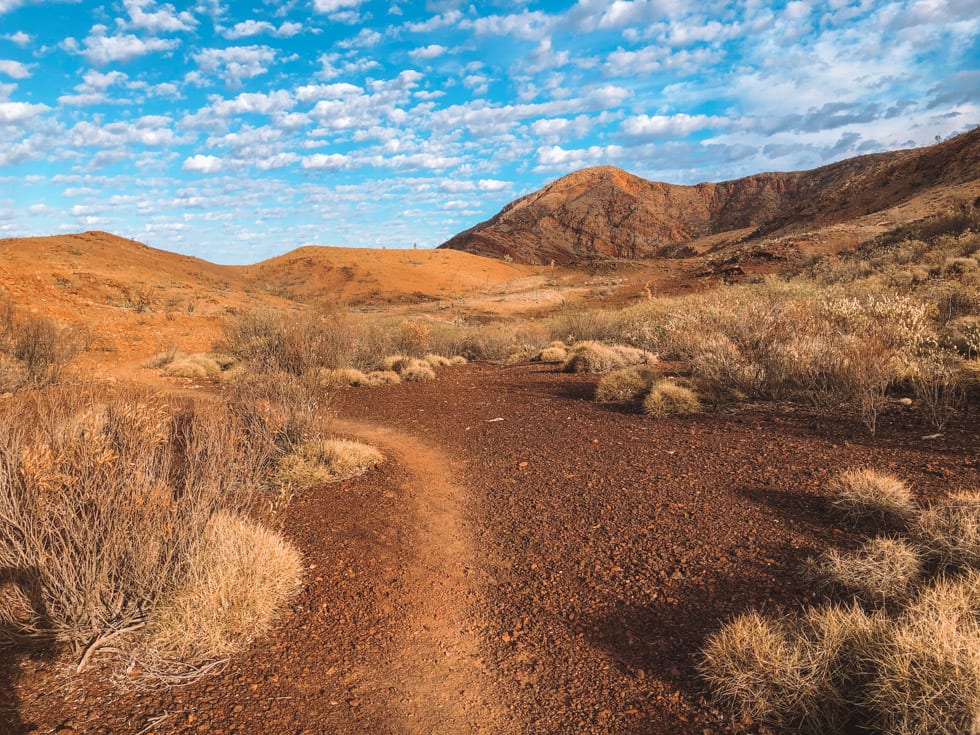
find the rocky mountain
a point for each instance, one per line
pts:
(606, 212)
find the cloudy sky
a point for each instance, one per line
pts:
(240, 130)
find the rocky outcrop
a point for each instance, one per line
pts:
(606, 212)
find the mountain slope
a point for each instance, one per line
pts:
(607, 212)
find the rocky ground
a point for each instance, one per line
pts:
(526, 561)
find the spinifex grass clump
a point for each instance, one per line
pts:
(912, 666)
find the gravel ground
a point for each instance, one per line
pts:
(526, 561)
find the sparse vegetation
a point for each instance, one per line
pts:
(324, 460)
(667, 397)
(595, 357)
(34, 350)
(865, 495)
(913, 666)
(105, 497)
(625, 385)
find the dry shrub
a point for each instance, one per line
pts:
(417, 371)
(13, 374)
(341, 377)
(193, 366)
(458, 360)
(104, 495)
(627, 384)
(325, 460)
(277, 411)
(949, 531)
(554, 353)
(394, 362)
(668, 398)
(436, 361)
(414, 337)
(382, 377)
(162, 359)
(936, 380)
(866, 495)
(928, 676)
(799, 674)
(295, 343)
(584, 324)
(882, 570)
(45, 349)
(595, 357)
(236, 581)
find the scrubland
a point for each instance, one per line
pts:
(142, 526)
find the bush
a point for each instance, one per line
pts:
(105, 495)
(236, 581)
(382, 377)
(869, 496)
(949, 531)
(342, 377)
(627, 384)
(928, 676)
(594, 357)
(668, 398)
(553, 354)
(321, 461)
(882, 570)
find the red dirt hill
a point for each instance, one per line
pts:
(607, 212)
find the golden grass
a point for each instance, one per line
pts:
(321, 461)
(595, 357)
(928, 677)
(882, 570)
(866, 495)
(240, 577)
(667, 398)
(626, 384)
(949, 531)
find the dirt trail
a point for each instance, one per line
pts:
(437, 678)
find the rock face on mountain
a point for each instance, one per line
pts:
(607, 212)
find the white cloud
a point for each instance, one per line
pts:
(235, 63)
(100, 49)
(12, 113)
(165, 19)
(326, 161)
(332, 6)
(14, 69)
(20, 38)
(258, 27)
(365, 39)
(431, 51)
(558, 158)
(254, 103)
(202, 164)
(450, 17)
(492, 185)
(530, 26)
(651, 127)
(92, 90)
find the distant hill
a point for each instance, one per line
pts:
(605, 212)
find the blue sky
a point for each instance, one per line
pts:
(236, 131)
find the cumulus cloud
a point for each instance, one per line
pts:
(20, 38)
(424, 53)
(100, 49)
(235, 63)
(247, 28)
(12, 113)
(652, 127)
(145, 15)
(332, 6)
(202, 164)
(14, 69)
(93, 88)
(326, 161)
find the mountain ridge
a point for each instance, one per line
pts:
(606, 212)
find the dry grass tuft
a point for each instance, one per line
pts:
(240, 576)
(668, 398)
(382, 377)
(928, 677)
(417, 371)
(342, 377)
(321, 461)
(882, 570)
(627, 384)
(867, 495)
(799, 674)
(949, 531)
(595, 357)
(437, 361)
